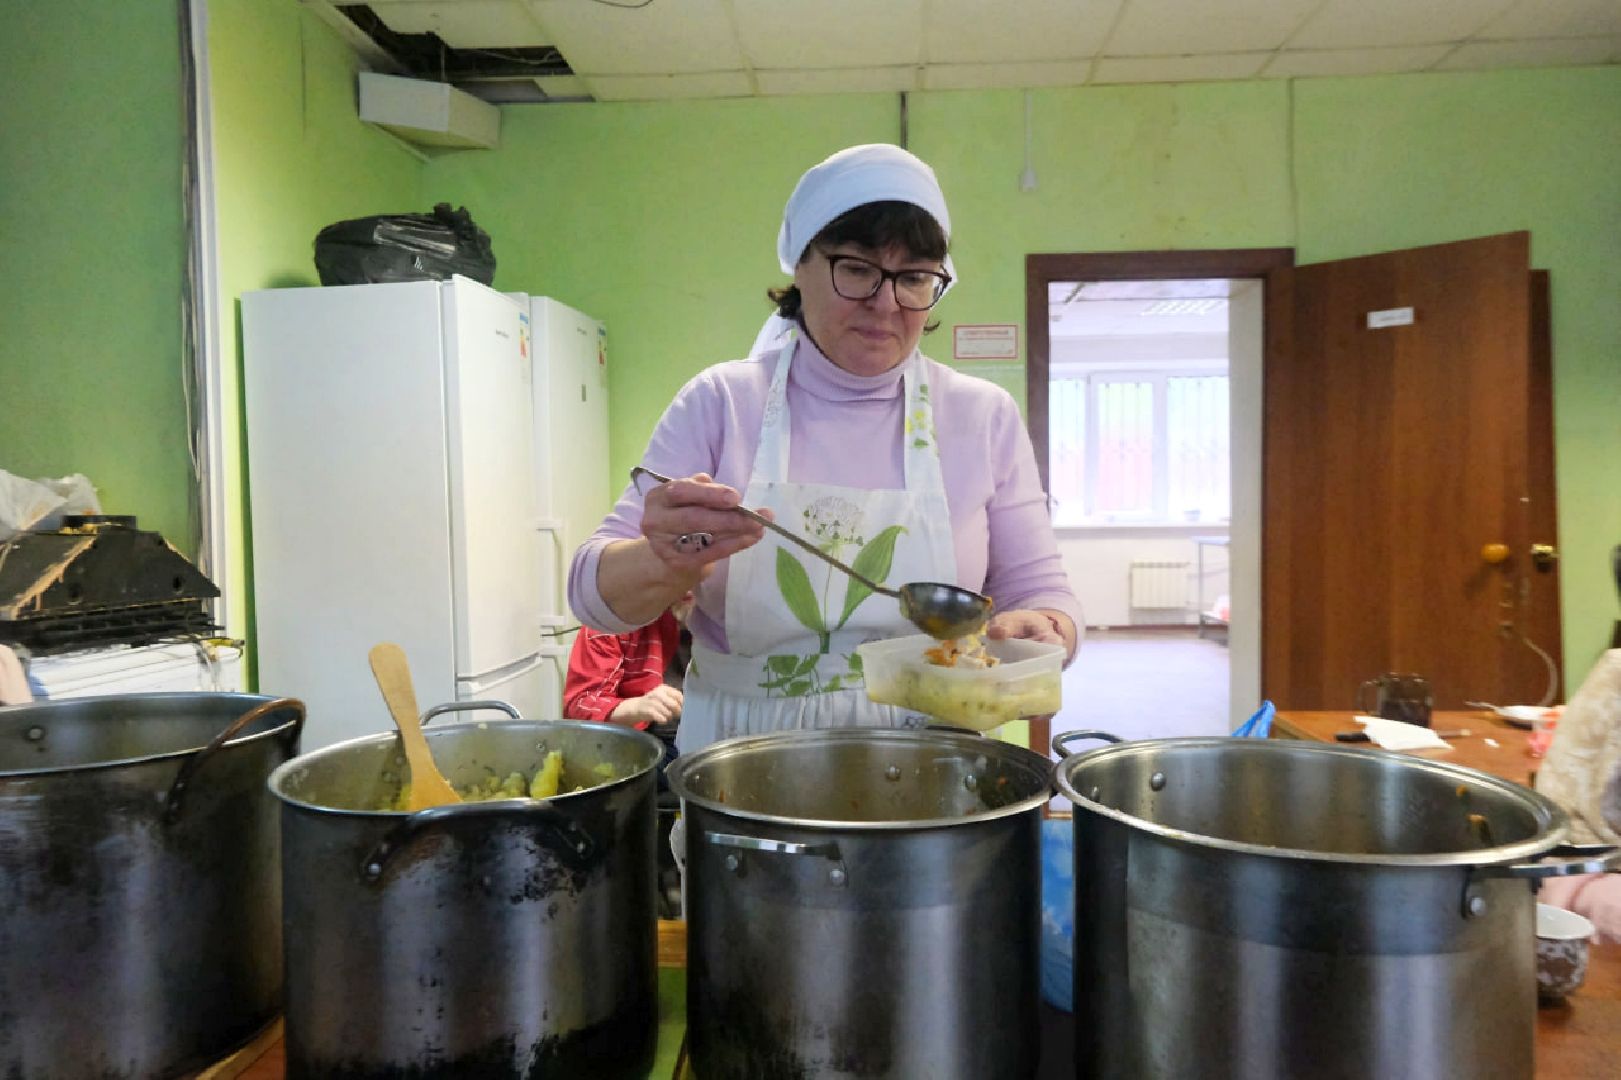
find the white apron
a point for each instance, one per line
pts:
(792, 621)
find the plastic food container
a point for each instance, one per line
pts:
(1026, 682)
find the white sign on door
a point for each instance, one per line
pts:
(1396, 316)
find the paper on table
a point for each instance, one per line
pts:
(1395, 735)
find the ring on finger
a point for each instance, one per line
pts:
(688, 541)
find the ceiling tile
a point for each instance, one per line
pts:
(563, 86)
(804, 34)
(692, 36)
(1549, 52)
(989, 76)
(1348, 24)
(976, 32)
(466, 24)
(1556, 19)
(1291, 63)
(1177, 27)
(1178, 68)
(713, 84)
(842, 81)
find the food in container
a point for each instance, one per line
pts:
(1025, 680)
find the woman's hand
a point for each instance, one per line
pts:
(690, 525)
(1052, 627)
(687, 527)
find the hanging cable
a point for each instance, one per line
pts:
(1553, 668)
(1027, 179)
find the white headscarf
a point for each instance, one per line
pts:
(874, 172)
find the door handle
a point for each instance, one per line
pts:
(1494, 553)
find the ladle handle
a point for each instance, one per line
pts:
(786, 535)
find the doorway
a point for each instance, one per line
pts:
(1129, 353)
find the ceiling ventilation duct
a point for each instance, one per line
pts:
(429, 113)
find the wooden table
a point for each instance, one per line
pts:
(1492, 745)
(1580, 1037)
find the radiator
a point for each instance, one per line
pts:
(1159, 585)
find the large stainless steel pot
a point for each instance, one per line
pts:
(863, 903)
(140, 929)
(500, 939)
(1250, 908)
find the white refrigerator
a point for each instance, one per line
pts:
(398, 492)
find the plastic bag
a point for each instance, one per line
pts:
(1058, 913)
(1259, 725)
(404, 247)
(41, 504)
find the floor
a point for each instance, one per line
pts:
(1146, 685)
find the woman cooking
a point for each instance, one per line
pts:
(840, 429)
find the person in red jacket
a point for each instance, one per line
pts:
(632, 679)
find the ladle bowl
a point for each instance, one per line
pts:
(942, 611)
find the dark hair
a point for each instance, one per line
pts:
(874, 225)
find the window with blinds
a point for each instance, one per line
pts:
(1139, 447)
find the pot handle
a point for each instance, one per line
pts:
(470, 706)
(535, 812)
(188, 769)
(837, 875)
(784, 847)
(1062, 740)
(1561, 861)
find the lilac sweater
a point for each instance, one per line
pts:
(845, 429)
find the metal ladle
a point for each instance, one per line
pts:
(939, 610)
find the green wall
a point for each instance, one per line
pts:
(659, 221)
(660, 218)
(92, 251)
(291, 156)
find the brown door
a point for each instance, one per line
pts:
(1393, 457)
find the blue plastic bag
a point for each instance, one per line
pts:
(1258, 726)
(1058, 912)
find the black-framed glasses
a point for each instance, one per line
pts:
(855, 278)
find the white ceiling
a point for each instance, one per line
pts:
(1130, 309)
(635, 50)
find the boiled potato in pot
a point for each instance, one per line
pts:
(546, 782)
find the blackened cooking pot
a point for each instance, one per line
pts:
(500, 939)
(1270, 908)
(863, 903)
(140, 929)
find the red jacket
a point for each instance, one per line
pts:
(605, 669)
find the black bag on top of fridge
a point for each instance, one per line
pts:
(404, 247)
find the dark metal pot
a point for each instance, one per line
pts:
(863, 903)
(499, 939)
(140, 928)
(1251, 908)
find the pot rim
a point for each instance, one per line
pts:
(1558, 822)
(746, 744)
(596, 727)
(250, 701)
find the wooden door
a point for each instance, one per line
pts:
(1393, 457)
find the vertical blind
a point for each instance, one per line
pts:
(1142, 448)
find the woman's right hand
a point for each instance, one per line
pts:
(690, 525)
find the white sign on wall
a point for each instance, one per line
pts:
(985, 341)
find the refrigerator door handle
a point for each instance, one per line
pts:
(506, 672)
(553, 528)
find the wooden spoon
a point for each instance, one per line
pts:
(428, 785)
